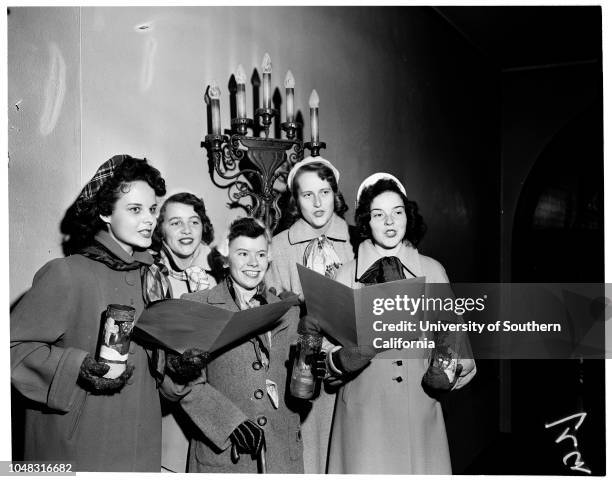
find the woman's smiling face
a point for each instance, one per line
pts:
(181, 229)
(248, 260)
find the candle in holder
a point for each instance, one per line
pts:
(289, 90)
(266, 68)
(214, 93)
(240, 92)
(314, 117)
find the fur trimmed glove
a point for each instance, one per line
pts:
(353, 358)
(186, 367)
(91, 377)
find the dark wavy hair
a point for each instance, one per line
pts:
(82, 220)
(249, 227)
(415, 226)
(189, 199)
(325, 174)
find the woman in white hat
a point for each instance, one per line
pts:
(384, 421)
(318, 239)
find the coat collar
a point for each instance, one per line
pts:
(368, 255)
(301, 231)
(106, 240)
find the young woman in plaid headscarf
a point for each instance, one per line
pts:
(74, 413)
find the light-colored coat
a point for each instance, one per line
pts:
(287, 252)
(228, 398)
(53, 328)
(382, 425)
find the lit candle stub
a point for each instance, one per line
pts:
(289, 90)
(266, 68)
(314, 117)
(214, 93)
(241, 92)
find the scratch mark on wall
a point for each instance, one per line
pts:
(55, 90)
(146, 78)
(143, 27)
(18, 103)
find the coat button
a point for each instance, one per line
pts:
(258, 394)
(398, 379)
(256, 365)
(261, 421)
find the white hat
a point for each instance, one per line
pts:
(306, 161)
(374, 178)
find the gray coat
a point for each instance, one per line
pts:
(53, 328)
(229, 397)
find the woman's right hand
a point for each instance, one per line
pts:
(187, 367)
(91, 377)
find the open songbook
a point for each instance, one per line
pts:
(180, 324)
(352, 316)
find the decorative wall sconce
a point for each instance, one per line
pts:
(254, 164)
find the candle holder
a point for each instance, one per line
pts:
(314, 147)
(291, 128)
(266, 118)
(253, 165)
(241, 124)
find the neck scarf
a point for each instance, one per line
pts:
(155, 287)
(389, 268)
(320, 256)
(238, 295)
(196, 277)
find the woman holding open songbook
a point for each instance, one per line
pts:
(239, 404)
(385, 422)
(318, 239)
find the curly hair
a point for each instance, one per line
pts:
(325, 174)
(415, 226)
(82, 220)
(249, 227)
(189, 199)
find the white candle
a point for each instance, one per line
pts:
(266, 68)
(314, 117)
(240, 92)
(289, 89)
(214, 93)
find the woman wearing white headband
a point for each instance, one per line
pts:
(384, 421)
(319, 240)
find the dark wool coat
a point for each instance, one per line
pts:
(53, 328)
(236, 391)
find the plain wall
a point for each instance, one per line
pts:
(399, 89)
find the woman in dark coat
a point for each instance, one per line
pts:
(76, 414)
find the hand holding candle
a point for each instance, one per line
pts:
(266, 68)
(314, 117)
(214, 93)
(240, 92)
(289, 90)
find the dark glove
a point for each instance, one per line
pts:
(186, 367)
(352, 359)
(91, 377)
(319, 367)
(247, 438)
(308, 325)
(287, 296)
(435, 381)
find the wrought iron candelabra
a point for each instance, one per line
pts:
(253, 165)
